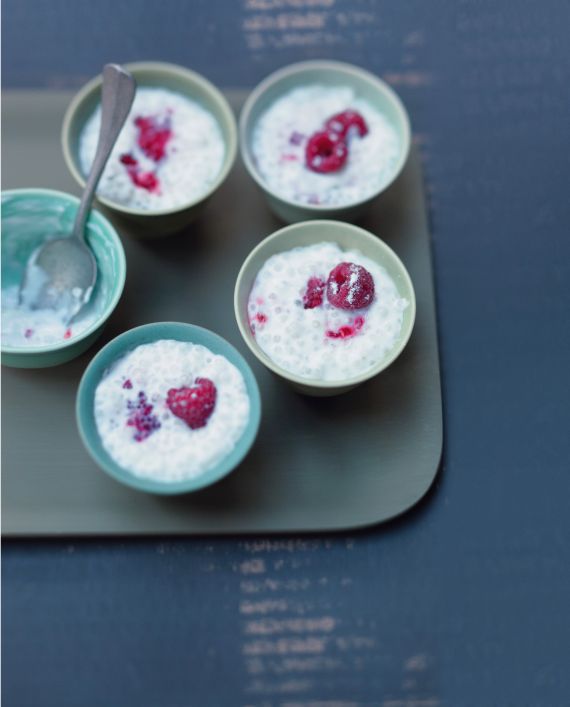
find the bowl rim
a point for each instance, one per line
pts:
(345, 68)
(316, 383)
(166, 68)
(122, 275)
(119, 346)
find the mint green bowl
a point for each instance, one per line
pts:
(153, 74)
(328, 73)
(26, 214)
(147, 334)
(347, 237)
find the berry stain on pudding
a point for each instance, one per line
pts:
(324, 145)
(323, 313)
(169, 152)
(171, 410)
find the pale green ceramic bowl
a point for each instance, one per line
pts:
(347, 237)
(26, 213)
(328, 73)
(147, 334)
(157, 75)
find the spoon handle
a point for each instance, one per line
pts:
(117, 95)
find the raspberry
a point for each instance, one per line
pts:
(127, 385)
(345, 332)
(153, 136)
(325, 152)
(341, 123)
(141, 417)
(193, 404)
(313, 296)
(350, 286)
(146, 180)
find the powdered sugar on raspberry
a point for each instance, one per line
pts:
(139, 430)
(322, 342)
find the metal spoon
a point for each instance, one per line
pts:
(63, 271)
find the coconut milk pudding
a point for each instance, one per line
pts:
(324, 145)
(171, 410)
(323, 313)
(169, 152)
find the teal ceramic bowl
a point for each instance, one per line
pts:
(347, 237)
(327, 73)
(156, 75)
(28, 215)
(147, 334)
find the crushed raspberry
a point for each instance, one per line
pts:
(127, 385)
(67, 334)
(28, 333)
(153, 136)
(350, 286)
(314, 293)
(345, 332)
(128, 159)
(341, 123)
(145, 180)
(141, 417)
(193, 404)
(261, 318)
(325, 152)
(296, 138)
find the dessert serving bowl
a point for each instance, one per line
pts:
(363, 87)
(28, 216)
(348, 238)
(115, 353)
(172, 78)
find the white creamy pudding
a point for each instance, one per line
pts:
(323, 313)
(24, 326)
(324, 145)
(171, 410)
(170, 152)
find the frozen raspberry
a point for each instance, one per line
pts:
(314, 293)
(350, 286)
(127, 159)
(127, 385)
(341, 123)
(153, 136)
(325, 152)
(193, 404)
(141, 417)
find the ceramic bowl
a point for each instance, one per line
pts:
(347, 237)
(328, 73)
(126, 342)
(158, 75)
(26, 213)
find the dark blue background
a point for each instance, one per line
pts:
(464, 602)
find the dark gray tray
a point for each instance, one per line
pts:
(318, 464)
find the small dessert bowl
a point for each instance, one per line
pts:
(347, 237)
(28, 216)
(111, 354)
(327, 75)
(156, 75)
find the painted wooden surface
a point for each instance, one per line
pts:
(464, 601)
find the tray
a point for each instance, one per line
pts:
(318, 464)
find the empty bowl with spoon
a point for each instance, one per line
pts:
(36, 338)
